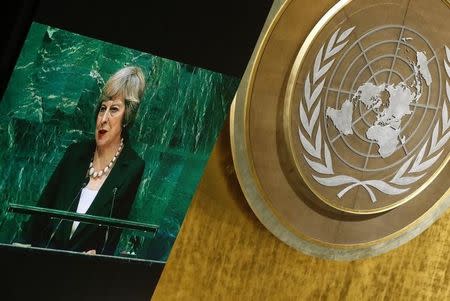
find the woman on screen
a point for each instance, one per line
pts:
(98, 177)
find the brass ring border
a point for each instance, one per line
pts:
(238, 161)
(256, 197)
(251, 168)
(287, 120)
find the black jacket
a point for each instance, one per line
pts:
(114, 199)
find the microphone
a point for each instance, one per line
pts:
(110, 215)
(83, 185)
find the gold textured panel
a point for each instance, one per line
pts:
(224, 253)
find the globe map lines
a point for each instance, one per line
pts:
(386, 130)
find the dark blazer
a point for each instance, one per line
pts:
(114, 199)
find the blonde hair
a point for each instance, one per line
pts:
(128, 82)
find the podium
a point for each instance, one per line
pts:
(48, 272)
(134, 242)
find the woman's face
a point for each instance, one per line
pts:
(109, 122)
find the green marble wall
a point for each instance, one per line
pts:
(49, 104)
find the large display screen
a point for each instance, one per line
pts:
(70, 100)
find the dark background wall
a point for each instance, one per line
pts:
(215, 35)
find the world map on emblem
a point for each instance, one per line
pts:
(384, 124)
(385, 131)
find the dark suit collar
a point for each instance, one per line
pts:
(103, 202)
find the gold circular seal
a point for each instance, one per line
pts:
(363, 105)
(340, 134)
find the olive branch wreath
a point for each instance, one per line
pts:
(313, 143)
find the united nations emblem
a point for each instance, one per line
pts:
(375, 117)
(340, 132)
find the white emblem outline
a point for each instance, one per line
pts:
(402, 178)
